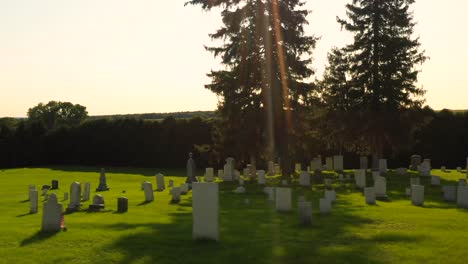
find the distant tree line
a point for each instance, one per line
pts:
(166, 143)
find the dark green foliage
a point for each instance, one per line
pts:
(158, 116)
(267, 58)
(55, 114)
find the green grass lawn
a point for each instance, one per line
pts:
(161, 232)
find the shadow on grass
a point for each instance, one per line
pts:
(144, 203)
(256, 233)
(24, 201)
(25, 214)
(37, 237)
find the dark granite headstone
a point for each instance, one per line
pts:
(102, 182)
(122, 204)
(45, 187)
(55, 184)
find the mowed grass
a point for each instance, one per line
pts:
(251, 231)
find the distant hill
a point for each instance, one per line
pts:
(159, 116)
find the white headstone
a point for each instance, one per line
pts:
(75, 193)
(426, 168)
(462, 197)
(86, 191)
(228, 172)
(325, 206)
(184, 188)
(148, 188)
(65, 196)
(443, 168)
(330, 195)
(261, 177)
(329, 163)
(459, 169)
(175, 192)
(209, 175)
(338, 163)
(383, 166)
(52, 215)
(205, 211)
(240, 190)
(369, 193)
(380, 187)
(360, 178)
(304, 178)
(161, 185)
(283, 199)
(375, 174)
(33, 200)
(435, 180)
(316, 164)
(417, 195)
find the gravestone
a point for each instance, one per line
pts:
(283, 199)
(86, 191)
(375, 174)
(271, 168)
(462, 197)
(209, 175)
(102, 182)
(415, 181)
(55, 184)
(338, 163)
(191, 169)
(435, 180)
(363, 163)
(98, 203)
(171, 183)
(298, 167)
(369, 193)
(325, 206)
(229, 170)
(33, 200)
(45, 187)
(383, 168)
(277, 169)
(148, 188)
(221, 174)
(52, 215)
(304, 178)
(415, 162)
(261, 177)
(459, 169)
(450, 193)
(31, 187)
(305, 213)
(241, 181)
(240, 190)
(330, 195)
(329, 163)
(252, 171)
(75, 200)
(175, 192)
(360, 178)
(122, 204)
(328, 182)
(271, 193)
(316, 164)
(161, 185)
(380, 188)
(417, 195)
(184, 189)
(65, 196)
(462, 182)
(205, 211)
(443, 168)
(44, 192)
(425, 168)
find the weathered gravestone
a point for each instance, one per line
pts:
(55, 184)
(283, 199)
(31, 187)
(415, 162)
(330, 195)
(161, 185)
(229, 170)
(375, 174)
(360, 178)
(205, 211)
(435, 180)
(450, 193)
(75, 200)
(305, 213)
(209, 175)
(443, 168)
(184, 188)
(383, 168)
(240, 189)
(52, 215)
(329, 163)
(304, 178)
(425, 168)
(459, 169)
(417, 195)
(380, 188)
(261, 177)
(122, 204)
(191, 169)
(33, 200)
(316, 164)
(148, 188)
(171, 183)
(363, 163)
(102, 182)
(462, 197)
(98, 203)
(65, 196)
(325, 206)
(175, 192)
(369, 193)
(338, 163)
(86, 191)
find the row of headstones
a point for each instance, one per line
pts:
(176, 192)
(336, 163)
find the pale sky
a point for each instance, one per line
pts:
(144, 56)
